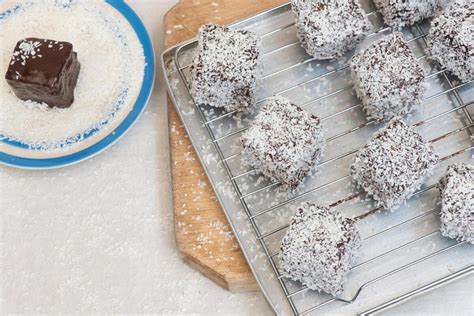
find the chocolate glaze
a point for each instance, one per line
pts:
(44, 70)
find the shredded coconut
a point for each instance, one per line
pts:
(319, 248)
(27, 49)
(226, 71)
(393, 164)
(457, 203)
(451, 39)
(388, 78)
(284, 142)
(112, 66)
(400, 13)
(328, 29)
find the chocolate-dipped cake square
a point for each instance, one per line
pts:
(457, 203)
(44, 70)
(400, 13)
(388, 78)
(284, 142)
(328, 29)
(319, 248)
(451, 39)
(226, 72)
(393, 164)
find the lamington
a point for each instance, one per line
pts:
(388, 78)
(457, 202)
(393, 164)
(400, 13)
(226, 72)
(451, 39)
(44, 71)
(284, 141)
(319, 248)
(328, 29)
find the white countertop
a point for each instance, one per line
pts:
(98, 236)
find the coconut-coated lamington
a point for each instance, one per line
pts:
(451, 39)
(400, 13)
(226, 71)
(388, 78)
(393, 164)
(328, 29)
(284, 141)
(319, 248)
(457, 203)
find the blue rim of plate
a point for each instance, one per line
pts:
(145, 92)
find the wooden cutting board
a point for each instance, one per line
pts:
(203, 235)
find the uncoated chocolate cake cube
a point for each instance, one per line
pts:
(44, 70)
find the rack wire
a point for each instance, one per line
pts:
(418, 35)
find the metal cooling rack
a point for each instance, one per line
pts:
(403, 253)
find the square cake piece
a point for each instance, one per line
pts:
(451, 39)
(393, 164)
(400, 13)
(226, 71)
(44, 70)
(457, 203)
(319, 248)
(388, 78)
(284, 142)
(328, 29)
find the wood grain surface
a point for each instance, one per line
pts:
(203, 235)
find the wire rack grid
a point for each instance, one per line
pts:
(447, 88)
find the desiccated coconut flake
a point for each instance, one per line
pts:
(319, 248)
(457, 203)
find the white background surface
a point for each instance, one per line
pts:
(98, 236)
